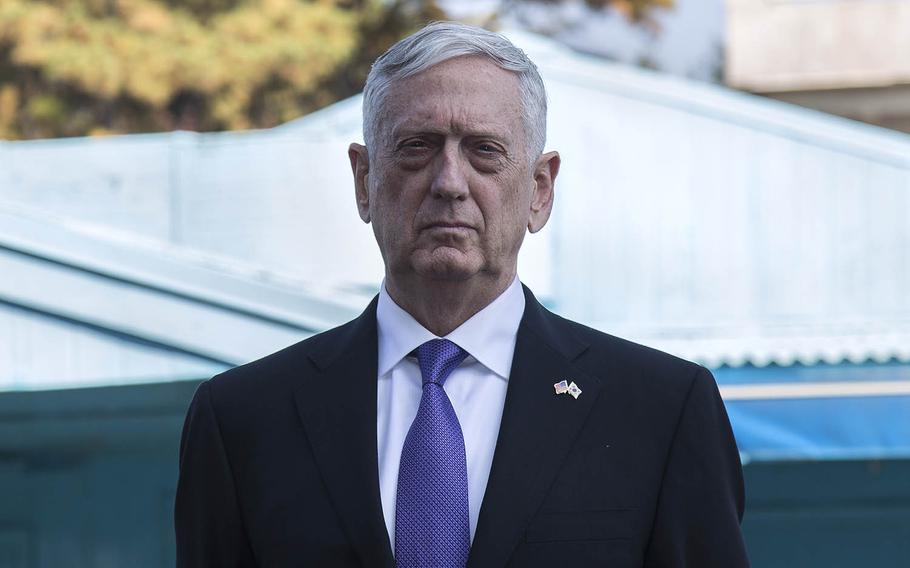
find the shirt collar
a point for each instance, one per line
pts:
(489, 335)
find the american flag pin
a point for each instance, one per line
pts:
(561, 387)
(574, 390)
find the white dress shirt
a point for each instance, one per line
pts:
(477, 389)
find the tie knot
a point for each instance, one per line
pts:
(437, 359)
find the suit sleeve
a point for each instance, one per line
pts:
(207, 519)
(700, 508)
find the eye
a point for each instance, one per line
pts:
(414, 153)
(413, 144)
(488, 149)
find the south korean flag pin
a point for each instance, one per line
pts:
(574, 390)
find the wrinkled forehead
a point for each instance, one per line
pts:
(463, 94)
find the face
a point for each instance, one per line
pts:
(450, 188)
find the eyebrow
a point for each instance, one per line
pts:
(407, 130)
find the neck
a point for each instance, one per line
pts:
(442, 305)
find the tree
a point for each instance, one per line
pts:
(640, 13)
(76, 67)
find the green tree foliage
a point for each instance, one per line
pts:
(76, 67)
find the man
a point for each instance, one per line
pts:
(456, 421)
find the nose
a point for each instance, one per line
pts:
(450, 177)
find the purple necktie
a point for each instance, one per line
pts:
(431, 515)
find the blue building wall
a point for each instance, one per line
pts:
(88, 476)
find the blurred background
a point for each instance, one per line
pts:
(175, 199)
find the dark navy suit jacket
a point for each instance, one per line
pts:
(279, 467)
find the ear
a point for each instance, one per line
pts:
(360, 166)
(545, 171)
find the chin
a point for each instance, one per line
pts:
(441, 265)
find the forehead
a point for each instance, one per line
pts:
(465, 94)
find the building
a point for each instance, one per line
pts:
(845, 57)
(766, 241)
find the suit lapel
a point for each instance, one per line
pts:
(338, 410)
(536, 433)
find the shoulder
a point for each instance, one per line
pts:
(655, 394)
(635, 369)
(278, 374)
(629, 354)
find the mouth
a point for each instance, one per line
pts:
(447, 225)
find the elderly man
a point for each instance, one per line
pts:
(457, 422)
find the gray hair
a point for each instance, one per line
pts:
(439, 42)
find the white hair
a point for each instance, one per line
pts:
(439, 42)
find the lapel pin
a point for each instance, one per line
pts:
(562, 387)
(574, 390)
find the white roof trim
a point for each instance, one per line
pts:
(781, 391)
(177, 300)
(861, 345)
